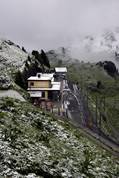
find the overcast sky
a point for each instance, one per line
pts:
(49, 24)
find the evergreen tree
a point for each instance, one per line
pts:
(63, 51)
(45, 59)
(35, 53)
(25, 77)
(38, 57)
(19, 79)
(23, 49)
(26, 65)
(29, 59)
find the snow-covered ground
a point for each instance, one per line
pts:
(12, 94)
(35, 145)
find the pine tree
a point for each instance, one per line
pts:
(38, 57)
(29, 59)
(45, 59)
(26, 65)
(19, 79)
(23, 49)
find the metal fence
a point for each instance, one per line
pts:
(96, 114)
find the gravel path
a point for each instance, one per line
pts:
(11, 93)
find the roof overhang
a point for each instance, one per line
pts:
(44, 89)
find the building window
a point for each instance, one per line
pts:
(31, 83)
(43, 94)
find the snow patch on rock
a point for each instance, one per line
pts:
(11, 54)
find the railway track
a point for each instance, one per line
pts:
(78, 114)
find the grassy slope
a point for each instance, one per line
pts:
(34, 142)
(87, 74)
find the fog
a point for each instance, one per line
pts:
(49, 24)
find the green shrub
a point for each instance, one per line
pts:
(8, 102)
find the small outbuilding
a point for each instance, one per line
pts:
(60, 73)
(62, 70)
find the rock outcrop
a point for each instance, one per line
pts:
(5, 81)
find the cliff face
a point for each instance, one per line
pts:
(35, 144)
(11, 54)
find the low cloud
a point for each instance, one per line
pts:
(49, 24)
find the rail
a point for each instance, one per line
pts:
(92, 116)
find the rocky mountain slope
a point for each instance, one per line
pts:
(12, 58)
(11, 54)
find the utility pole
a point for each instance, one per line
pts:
(103, 104)
(100, 115)
(87, 98)
(96, 111)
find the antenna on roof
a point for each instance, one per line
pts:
(39, 75)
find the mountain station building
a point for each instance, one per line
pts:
(43, 87)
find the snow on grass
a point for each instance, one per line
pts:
(36, 141)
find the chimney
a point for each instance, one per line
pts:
(39, 75)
